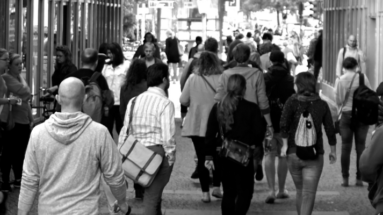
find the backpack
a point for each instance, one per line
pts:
(93, 102)
(306, 137)
(365, 105)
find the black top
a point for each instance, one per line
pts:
(318, 50)
(85, 74)
(61, 72)
(320, 113)
(279, 86)
(129, 92)
(171, 50)
(230, 56)
(247, 127)
(101, 62)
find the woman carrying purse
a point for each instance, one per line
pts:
(235, 119)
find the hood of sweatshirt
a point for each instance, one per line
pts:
(67, 127)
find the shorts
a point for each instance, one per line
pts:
(274, 146)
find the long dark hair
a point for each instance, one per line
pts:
(136, 73)
(116, 50)
(236, 88)
(306, 84)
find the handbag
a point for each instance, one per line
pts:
(235, 150)
(337, 122)
(138, 162)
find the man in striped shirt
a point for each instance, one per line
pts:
(153, 125)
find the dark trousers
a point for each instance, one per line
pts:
(114, 116)
(317, 66)
(203, 172)
(238, 187)
(14, 147)
(348, 132)
(153, 193)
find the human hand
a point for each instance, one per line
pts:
(271, 132)
(332, 157)
(209, 164)
(284, 150)
(171, 158)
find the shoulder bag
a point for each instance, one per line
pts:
(235, 150)
(337, 122)
(138, 162)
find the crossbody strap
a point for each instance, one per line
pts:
(347, 95)
(208, 83)
(130, 127)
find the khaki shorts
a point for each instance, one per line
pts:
(273, 146)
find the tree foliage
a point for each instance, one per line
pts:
(249, 6)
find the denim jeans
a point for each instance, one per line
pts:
(306, 175)
(348, 131)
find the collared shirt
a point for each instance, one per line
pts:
(115, 78)
(153, 120)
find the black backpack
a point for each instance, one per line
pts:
(365, 105)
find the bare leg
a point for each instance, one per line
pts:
(282, 174)
(270, 172)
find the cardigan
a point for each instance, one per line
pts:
(247, 127)
(199, 97)
(320, 113)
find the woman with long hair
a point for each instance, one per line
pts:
(198, 96)
(239, 120)
(350, 129)
(63, 67)
(306, 168)
(115, 72)
(17, 136)
(148, 38)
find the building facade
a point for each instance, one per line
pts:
(362, 18)
(33, 28)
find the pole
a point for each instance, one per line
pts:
(221, 10)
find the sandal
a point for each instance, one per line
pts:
(282, 195)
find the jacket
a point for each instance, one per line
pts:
(62, 71)
(279, 86)
(255, 86)
(199, 97)
(230, 56)
(66, 157)
(370, 165)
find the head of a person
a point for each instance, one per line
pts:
(277, 57)
(350, 64)
(267, 37)
(208, 64)
(137, 72)
(169, 33)
(114, 52)
(89, 58)
(211, 45)
(103, 49)
(352, 41)
(63, 54)
(248, 35)
(305, 84)
(235, 33)
(149, 37)
(270, 31)
(15, 64)
(198, 40)
(229, 40)
(241, 53)
(239, 37)
(158, 76)
(257, 33)
(4, 60)
(235, 90)
(71, 95)
(149, 50)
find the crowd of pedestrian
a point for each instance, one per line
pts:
(237, 113)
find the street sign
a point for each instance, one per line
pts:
(189, 5)
(160, 4)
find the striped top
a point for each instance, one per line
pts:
(153, 120)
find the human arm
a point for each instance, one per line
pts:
(263, 102)
(371, 159)
(185, 95)
(362, 62)
(168, 132)
(211, 137)
(30, 178)
(339, 93)
(221, 88)
(185, 74)
(330, 132)
(11, 101)
(287, 118)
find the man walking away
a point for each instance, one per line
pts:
(65, 159)
(350, 50)
(194, 50)
(153, 126)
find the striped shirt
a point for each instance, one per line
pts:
(153, 120)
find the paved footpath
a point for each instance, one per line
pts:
(182, 195)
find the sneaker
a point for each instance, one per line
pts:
(17, 183)
(5, 187)
(259, 173)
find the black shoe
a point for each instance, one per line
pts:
(5, 187)
(195, 174)
(139, 195)
(17, 183)
(259, 173)
(3, 205)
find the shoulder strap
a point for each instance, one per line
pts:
(361, 79)
(130, 127)
(94, 77)
(347, 95)
(208, 83)
(344, 52)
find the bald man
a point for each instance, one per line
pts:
(350, 50)
(66, 157)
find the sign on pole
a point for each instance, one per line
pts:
(189, 5)
(160, 4)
